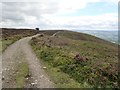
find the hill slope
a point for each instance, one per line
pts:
(10, 35)
(88, 61)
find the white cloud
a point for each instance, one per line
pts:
(50, 14)
(104, 21)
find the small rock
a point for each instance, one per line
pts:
(3, 78)
(35, 80)
(44, 67)
(33, 83)
(31, 77)
(27, 76)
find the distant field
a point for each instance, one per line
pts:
(78, 60)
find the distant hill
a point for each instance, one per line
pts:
(111, 36)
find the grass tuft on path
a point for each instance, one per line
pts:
(22, 72)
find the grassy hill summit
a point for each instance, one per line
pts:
(75, 59)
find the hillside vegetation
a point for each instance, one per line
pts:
(10, 35)
(78, 60)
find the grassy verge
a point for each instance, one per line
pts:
(10, 35)
(22, 72)
(8, 41)
(61, 79)
(5, 44)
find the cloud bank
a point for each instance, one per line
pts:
(56, 14)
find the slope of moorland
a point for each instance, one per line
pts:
(77, 60)
(10, 35)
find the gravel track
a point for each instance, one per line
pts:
(20, 52)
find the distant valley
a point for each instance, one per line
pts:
(111, 36)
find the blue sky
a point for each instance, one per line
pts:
(96, 9)
(61, 14)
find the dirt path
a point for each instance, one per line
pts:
(0, 71)
(55, 34)
(20, 52)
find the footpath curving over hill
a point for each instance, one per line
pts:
(21, 67)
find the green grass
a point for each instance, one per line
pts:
(8, 41)
(9, 36)
(60, 79)
(55, 60)
(5, 44)
(22, 72)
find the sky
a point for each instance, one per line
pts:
(60, 14)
